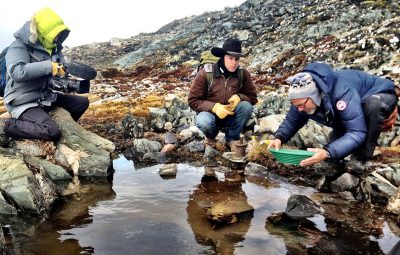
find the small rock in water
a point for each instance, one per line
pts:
(301, 207)
(168, 170)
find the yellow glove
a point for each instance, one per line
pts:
(221, 110)
(58, 69)
(233, 102)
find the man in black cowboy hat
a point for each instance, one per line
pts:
(227, 102)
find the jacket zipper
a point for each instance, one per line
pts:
(226, 84)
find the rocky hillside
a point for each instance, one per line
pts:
(280, 36)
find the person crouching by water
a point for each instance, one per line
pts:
(227, 102)
(354, 103)
(31, 58)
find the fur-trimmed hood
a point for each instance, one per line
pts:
(43, 28)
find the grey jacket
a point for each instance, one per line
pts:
(28, 68)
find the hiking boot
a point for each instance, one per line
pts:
(355, 167)
(3, 138)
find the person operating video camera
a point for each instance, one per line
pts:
(31, 59)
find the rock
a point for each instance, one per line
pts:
(69, 158)
(154, 157)
(210, 156)
(3, 242)
(54, 172)
(320, 183)
(168, 170)
(272, 104)
(312, 19)
(115, 42)
(195, 146)
(6, 208)
(168, 149)
(168, 100)
(256, 169)
(393, 205)
(347, 196)
(168, 126)
(190, 134)
(159, 116)
(170, 138)
(270, 123)
(30, 169)
(91, 153)
(140, 147)
(209, 172)
(330, 168)
(378, 190)
(20, 186)
(301, 207)
(345, 182)
(35, 148)
(134, 127)
(391, 173)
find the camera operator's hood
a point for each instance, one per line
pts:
(45, 26)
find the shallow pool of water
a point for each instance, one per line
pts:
(142, 213)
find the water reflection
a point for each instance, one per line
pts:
(224, 232)
(303, 238)
(51, 236)
(346, 231)
(141, 213)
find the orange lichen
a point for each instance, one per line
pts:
(389, 154)
(114, 112)
(140, 112)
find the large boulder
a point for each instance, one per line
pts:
(20, 188)
(34, 173)
(86, 153)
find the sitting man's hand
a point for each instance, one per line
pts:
(275, 144)
(58, 69)
(320, 155)
(233, 102)
(221, 110)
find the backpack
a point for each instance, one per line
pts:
(3, 68)
(3, 71)
(207, 59)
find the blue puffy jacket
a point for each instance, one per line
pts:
(343, 89)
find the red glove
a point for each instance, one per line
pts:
(389, 122)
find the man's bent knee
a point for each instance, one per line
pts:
(244, 108)
(206, 122)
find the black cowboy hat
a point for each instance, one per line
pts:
(231, 47)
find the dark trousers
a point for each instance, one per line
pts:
(376, 108)
(36, 123)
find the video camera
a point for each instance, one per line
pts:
(68, 85)
(80, 84)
